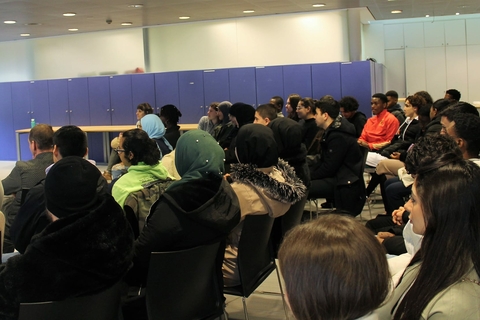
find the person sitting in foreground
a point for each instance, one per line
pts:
(263, 183)
(88, 246)
(442, 279)
(333, 269)
(141, 155)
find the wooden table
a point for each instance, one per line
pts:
(105, 130)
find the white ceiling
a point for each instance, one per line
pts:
(92, 14)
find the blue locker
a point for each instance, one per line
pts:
(191, 96)
(7, 131)
(215, 86)
(58, 101)
(358, 80)
(22, 114)
(79, 107)
(269, 83)
(243, 86)
(121, 103)
(326, 80)
(166, 90)
(297, 79)
(39, 103)
(143, 90)
(99, 101)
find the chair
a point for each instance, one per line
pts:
(186, 284)
(101, 306)
(255, 260)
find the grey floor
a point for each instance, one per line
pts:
(266, 301)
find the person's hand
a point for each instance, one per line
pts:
(381, 236)
(381, 145)
(395, 155)
(397, 216)
(363, 143)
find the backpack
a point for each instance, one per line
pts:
(137, 205)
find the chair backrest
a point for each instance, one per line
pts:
(103, 306)
(185, 285)
(255, 260)
(137, 204)
(2, 230)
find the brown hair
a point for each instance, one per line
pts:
(145, 107)
(42, 134)
(333, 268)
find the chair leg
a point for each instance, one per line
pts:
(245, 308)
(281, 292)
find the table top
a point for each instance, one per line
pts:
(114, 128)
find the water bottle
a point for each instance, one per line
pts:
(32, 123)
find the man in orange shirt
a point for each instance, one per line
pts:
(381, 128)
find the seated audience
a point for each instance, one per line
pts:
(291, 106)
(199, 209)
(435, 110)
(142, 110)
(88, 246)
(170, 115)
(442, 279)
(265, 113)
(453, 95)
(393, 107)
(277, 102)
(333, 269)
(263, 184)
(153, 126)
(349, 110)
(240, 115)
(223, 133)
(211, 120)
(336, 174)
(32, 217)
(306, 112)
(142, 157)
(380, 129)
(25, 175)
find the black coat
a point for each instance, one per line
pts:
(80, 254)
(402, 141)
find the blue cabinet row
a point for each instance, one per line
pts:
(113, 99)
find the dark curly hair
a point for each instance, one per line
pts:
(141, 146)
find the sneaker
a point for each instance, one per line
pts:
(107, 175)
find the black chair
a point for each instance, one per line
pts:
(101, 306)
(186, 285)
(255, 260)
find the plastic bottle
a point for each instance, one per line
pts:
(32, 123)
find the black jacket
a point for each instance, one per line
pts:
(358, 120)
(80, 254)
(188, 215)
(342, 159)
(402, 141)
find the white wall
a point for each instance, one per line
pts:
(16, 61)
(256, 41)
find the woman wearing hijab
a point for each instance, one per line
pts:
(263, 184)
(200, 208)
(153, 126)
(222, 132)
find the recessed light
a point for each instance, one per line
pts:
(318, 5)
(24, 34)
(135, 6)
(126, 23)
(69, 14)
(457, 14)
(9, 21)
(427, 15)
(73, 29)
(184, 18)
(397, 11)
(248, 11)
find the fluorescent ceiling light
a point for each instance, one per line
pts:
(397, 11)
(73, 29)
(427, 15)
(9, 21)
(135, 6)
(318, 5)
(248, 11)
(457, 14)
(24, 34)
(126, 23)
(69, 14)
(184, 18)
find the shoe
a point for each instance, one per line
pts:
(107, 175)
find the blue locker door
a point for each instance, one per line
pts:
(22, 114)
(326, 80)
(39, 104)
(143, 90)
(269, 83)
(191, 96)
(123, 112)
(297, 79)
(243, 86)
(78, 101)
(358, 81)
(58, 100)
(99, 101)
(216, 87)
(166, 89)
(7, 132)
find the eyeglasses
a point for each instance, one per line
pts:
(118, 151)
